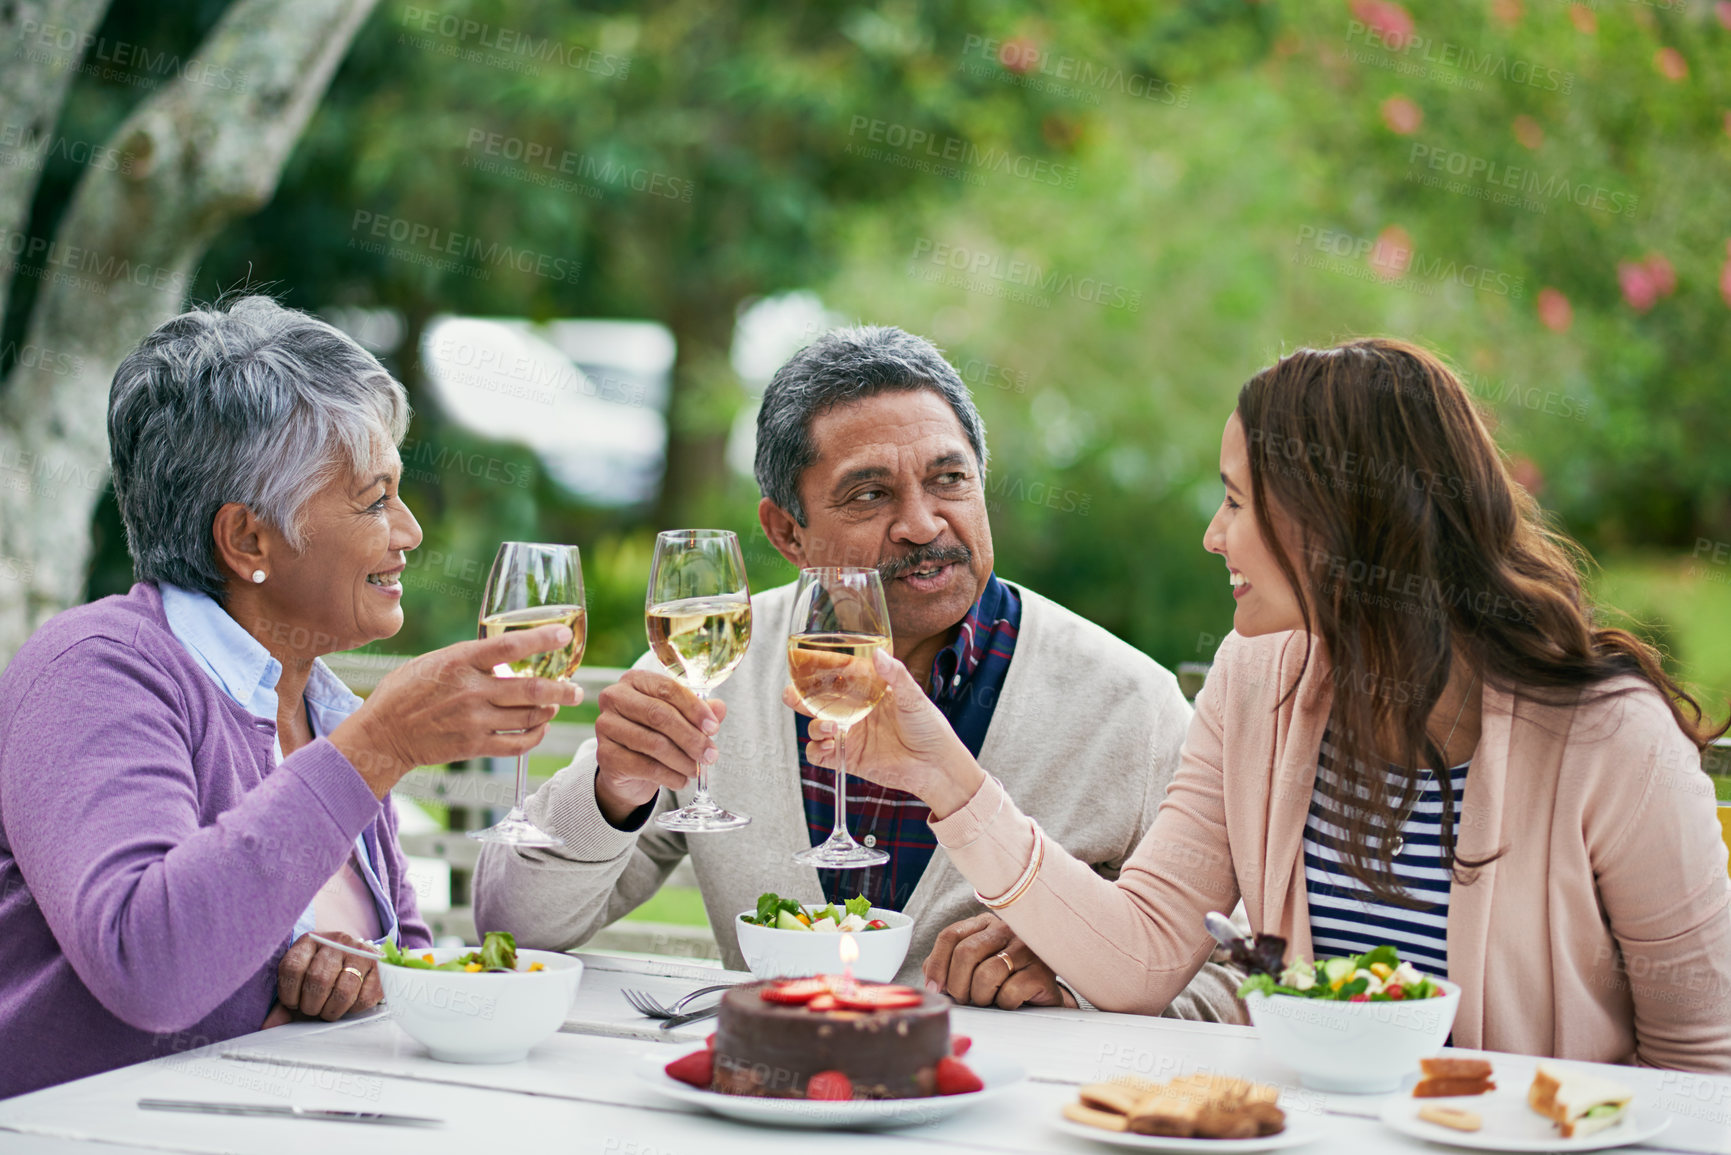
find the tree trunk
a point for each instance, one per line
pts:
(33, 82)
(206, 149)
(700, 408)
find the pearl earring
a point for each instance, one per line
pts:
(257, 575)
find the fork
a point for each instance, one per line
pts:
(646, 1004)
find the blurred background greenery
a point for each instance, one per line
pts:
(1108, 215)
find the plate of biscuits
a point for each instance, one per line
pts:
(1199, 1113)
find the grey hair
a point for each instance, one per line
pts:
(249, 402)
(841, 366)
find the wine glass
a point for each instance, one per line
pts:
(840, 621)
(698, 613)
(533, 585)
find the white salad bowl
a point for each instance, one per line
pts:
(777, 954)
(1356, 1047)
(463, 1017)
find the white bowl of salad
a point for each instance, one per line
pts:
(486, 1005)
(1357, 1024)
(784, 938)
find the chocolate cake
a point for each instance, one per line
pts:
(885, 1040)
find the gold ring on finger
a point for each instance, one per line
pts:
(356, 973)
(1005, 955)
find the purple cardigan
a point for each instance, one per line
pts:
(153, 861)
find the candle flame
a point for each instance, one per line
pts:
(849, 950)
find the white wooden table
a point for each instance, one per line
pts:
(578, 1092)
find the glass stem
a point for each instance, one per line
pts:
(522, 784)
(700, 800)
(840, 834)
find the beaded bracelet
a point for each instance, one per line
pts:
(1026, 881)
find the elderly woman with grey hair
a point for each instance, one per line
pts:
(185, 789)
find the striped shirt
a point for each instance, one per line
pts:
(1345, 919)
(967, 678)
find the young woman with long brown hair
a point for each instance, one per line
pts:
(1418, 733)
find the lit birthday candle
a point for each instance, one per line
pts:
(849, 950)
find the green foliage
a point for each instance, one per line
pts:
(678, 905)
(1684, 607)
(1215, 211)
(1609, 162)
(1208, 158)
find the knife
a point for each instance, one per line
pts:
(287, 1112)
(690, 1017)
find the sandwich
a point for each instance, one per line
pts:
(1577, 1102)
(1446, 1077)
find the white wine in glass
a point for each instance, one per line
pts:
(559, 664)
(700, 640)
(698, 617)
(533, 585)
(835, 675)
(840, 622)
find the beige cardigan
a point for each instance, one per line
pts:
(1603, 932)
(1072, 687)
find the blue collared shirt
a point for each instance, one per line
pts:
(239, 664)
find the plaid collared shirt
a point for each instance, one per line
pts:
(967, 678)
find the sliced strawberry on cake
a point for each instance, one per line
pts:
(794, 992)
(877, 997)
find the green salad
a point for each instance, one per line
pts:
(498, 953)
(1377, 976)
(787, 914)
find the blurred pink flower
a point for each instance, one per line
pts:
(1725, 276)
(1019, 54)
(1728, 122)
(1664, 276)
(1555, 312)
(1402, 116)
(1585, 19)
(1724, 10)
(1527, 475)
(1507, 11)
(1528, 132)
(1392, 253)
(1670, 64)
(1391, 23)
(1637, 285)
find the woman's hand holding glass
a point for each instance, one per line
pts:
(905, 743)
(533, 585)
(447, 705)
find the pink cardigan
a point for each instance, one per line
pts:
(1603, 933)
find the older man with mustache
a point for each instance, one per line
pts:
(869, 452)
